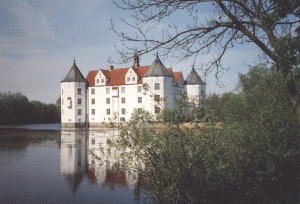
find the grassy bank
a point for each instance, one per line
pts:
(14, 135)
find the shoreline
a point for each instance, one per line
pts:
(23, 134)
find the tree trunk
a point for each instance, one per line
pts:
(294, 97)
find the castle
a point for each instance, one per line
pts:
(113, 94)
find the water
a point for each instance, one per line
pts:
(65, 172)
(54, 126)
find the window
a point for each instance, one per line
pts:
(202, 91)
(139, 89)
(107, 90)
(97, 81)
(62, 101)
(122, 119)
(140, 110)
(122, 89)
(93, 101)
(130, 72)
(93, 111)
(102, 80)
(133, 78)
(128, 78)
(123, 111)
(62, 92)
(107, 100)
(93, 91)
(139, 99)
(157, 109)
(79, 111)
(123, 99)
(107, 111)
(79, 91)
(79, 101)
(156, 86)
(156, 98)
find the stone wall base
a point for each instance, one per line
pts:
(73, 125)
(97, 124)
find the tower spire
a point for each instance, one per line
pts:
(136, 59)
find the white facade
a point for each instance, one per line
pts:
(73, 103)
(112, 95)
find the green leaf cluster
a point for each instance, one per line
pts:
(248, 152)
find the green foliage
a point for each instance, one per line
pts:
(247, 153)
(213, 104)
(260, 137)
(140, 116)
(281, 11)
(170, 115)
(17, 109)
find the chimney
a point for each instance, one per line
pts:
(110, 67)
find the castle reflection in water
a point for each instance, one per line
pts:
(79, 151)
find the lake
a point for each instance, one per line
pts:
(66, 170)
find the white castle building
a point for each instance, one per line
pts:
(112, 95)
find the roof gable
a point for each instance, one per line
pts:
(91, 77)
(177, 76)
(117, 76)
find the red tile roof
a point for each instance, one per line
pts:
(141, 71)
(117, 76)
(91, 77)
(177, 76)
(106, 73)
(169, 70)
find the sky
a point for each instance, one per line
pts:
(40, 38)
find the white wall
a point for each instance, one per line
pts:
(131, 101)
(70, 114)
(149, 102)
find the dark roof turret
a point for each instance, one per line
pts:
(194, 78)
(74, 75)
(157, 69)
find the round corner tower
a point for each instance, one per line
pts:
(195, 88)
(73, 99)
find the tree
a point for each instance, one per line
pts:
(252, 156)
(17, 109)
(273, 25)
